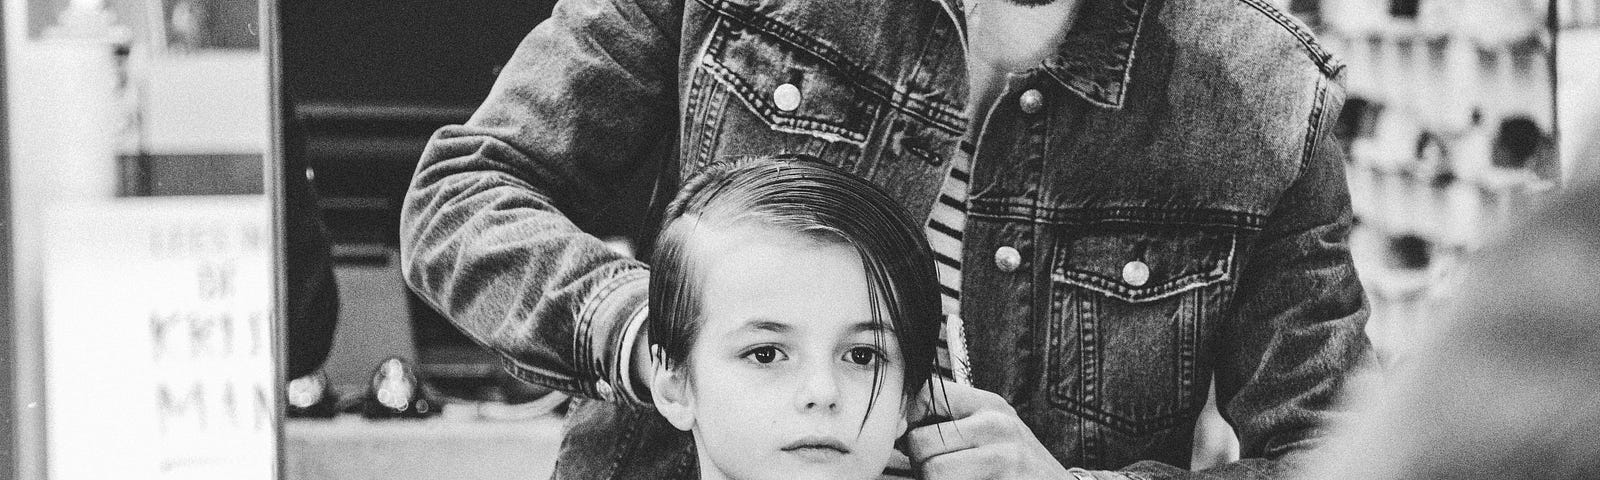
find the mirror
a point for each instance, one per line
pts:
(142, 241)
(9, 438)
(137, 232)
(392, 390)
(1449, 125)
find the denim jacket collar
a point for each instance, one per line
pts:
(1095, 60)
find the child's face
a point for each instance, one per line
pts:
(781, 374)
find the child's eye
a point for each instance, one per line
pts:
(765, 354)
(863, 356)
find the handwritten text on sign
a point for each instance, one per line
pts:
(158, 327)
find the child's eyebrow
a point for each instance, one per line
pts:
(780, 327)
(767, 325)
(871, 326)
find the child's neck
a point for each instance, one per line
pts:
(708, 470)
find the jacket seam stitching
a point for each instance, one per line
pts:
(1090, 216)
(896, 98)
(582, 354)
(627, 441)
(1064, 273)
(585, 325)
(1133, 52)
(1314, 125)
(1119, 422)
(696, 138)
(1042, 221)
(765, 111)
(1122, 87)
(1324, 60)
(528, 375)
(514, 366)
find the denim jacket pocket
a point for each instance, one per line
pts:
(1129, 307)
(758, 91)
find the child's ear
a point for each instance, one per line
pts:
(669, 389)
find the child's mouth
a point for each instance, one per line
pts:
(817, 448)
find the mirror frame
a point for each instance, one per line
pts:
(10, 416)
(272, 185)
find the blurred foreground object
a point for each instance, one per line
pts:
(396, 393)
(1509, 384)
(311, 396)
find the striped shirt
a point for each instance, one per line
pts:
(945, 224)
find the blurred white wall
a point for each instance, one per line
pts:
(1579, 102)
(75, 105)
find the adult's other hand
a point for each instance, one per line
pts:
(961, 432)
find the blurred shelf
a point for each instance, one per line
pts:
(1450, 129)
(356, 111)
(353, 448)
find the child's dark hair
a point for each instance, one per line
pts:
(801, 195)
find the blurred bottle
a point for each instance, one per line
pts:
(395, 393)
(310, 397)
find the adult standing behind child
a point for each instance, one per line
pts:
(1127, 199)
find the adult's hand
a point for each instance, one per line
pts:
(961, 432)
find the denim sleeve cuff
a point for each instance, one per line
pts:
(623, 373)
(607, 327)
(1081, 474)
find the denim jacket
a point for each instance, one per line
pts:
(1169, 177)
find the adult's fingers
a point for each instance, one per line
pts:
(945, 400)
(928, 441)
(969, 464)
(977, 430)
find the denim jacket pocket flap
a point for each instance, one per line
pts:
(791, 89)
(1143, 263)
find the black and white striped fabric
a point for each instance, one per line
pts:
(945, 224)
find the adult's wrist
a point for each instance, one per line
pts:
(636, 357)
(1081, 474)
(608, 326)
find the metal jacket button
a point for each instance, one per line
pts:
(786, 97)
(1136, 273)
(1007, 259)
(1032, 101)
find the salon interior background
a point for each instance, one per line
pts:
(1450, 122)
(1452, 127)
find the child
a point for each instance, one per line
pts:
(794, 312)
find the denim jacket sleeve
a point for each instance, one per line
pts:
(491, 229)
(1298, 333)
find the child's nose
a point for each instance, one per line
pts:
(819, 390)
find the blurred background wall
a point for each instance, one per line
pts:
(1451, 127)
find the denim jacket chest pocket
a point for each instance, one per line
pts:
(763, 87)
(755, 94)
(1129, 307)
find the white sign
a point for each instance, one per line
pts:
(158, 339)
